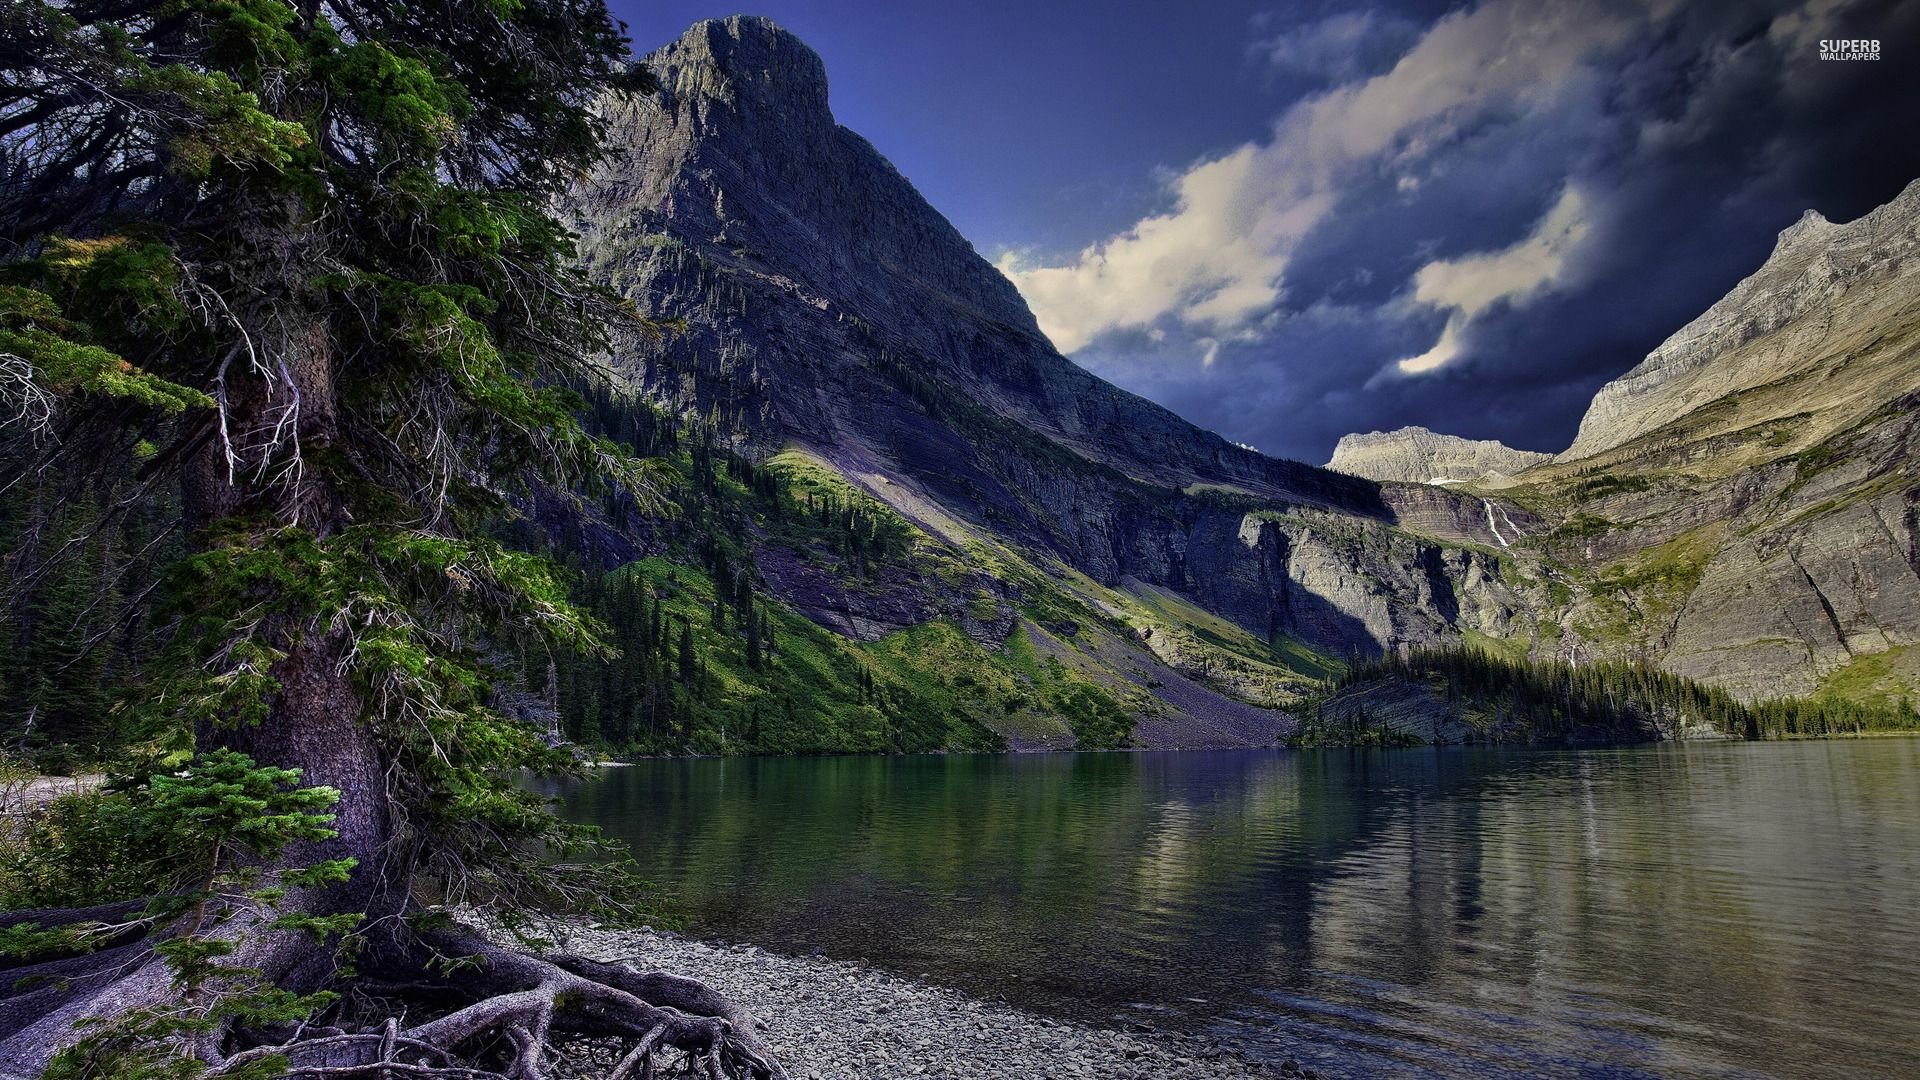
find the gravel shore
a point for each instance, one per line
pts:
(22, 796)
(836, 1020)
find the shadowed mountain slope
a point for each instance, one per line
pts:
(822, 313)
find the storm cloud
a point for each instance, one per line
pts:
(1472, 221)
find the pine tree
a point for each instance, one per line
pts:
(752, 640)
(1615, 698)
(303, 249)
(686, 655)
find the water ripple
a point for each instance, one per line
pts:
(1697, 911)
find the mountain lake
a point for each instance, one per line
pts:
(1690, 910)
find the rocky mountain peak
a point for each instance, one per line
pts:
(740, 157)
(1813, 263)
(1417, 455)
(818, 316)
(806, 267)
(1812, 226)
(748, 67)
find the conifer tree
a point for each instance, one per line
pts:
(294, 256)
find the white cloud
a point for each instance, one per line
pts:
(1338, 48)
(1217, 261)
(1215, 258)
(1470, 285)
(1440, 355)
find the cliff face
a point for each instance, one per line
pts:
(735, 197)
(1417, 456)
(1817, 269)
(823, 309)
(1742, 505)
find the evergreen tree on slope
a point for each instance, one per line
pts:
(299, 254)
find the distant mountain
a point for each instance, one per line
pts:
(1742, 505)
(922, 478)
(1416, 455)
(827, 322)
(1826, 291)
(1823, 287)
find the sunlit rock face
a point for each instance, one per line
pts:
(1417, 456)
(1816, 268)
(1753, 479)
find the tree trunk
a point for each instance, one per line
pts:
(279, 407)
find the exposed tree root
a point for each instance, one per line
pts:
(46, 918)
(495, 1014)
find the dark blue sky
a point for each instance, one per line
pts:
(1290, 221)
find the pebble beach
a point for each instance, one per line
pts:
(838, 1020)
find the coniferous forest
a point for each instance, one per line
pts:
(1502, 699)
(287, 336)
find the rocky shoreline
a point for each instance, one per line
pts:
(838, 1020)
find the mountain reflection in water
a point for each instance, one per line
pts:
(1693, 911)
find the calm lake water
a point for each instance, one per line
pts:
(1691, 911)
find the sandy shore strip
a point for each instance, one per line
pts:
(837, 1020)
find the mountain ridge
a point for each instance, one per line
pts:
(1812, 263)
(822, 321)
(750, 104)
(1745, 500)
(1417, 455)
(822, 313)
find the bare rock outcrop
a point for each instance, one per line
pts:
(1814, 263)
(1416, 455)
